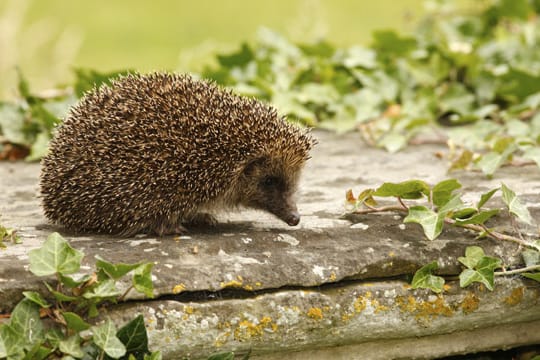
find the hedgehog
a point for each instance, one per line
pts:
(161, 152)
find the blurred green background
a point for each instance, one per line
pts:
(46, 39)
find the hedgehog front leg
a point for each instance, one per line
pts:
(170, 225)
(201, 219)
(163, 229)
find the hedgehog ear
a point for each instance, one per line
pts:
(254, 164)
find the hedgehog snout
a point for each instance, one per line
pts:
(293, 218)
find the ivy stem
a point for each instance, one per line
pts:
(492, 234)
(402, 208)
(122, 297)
(517, 271)
(405, 207)
(370, 209)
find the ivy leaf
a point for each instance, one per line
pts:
(515, 206)
(72, 346)
(473, 254)
(431, 222)
(55, 256)
(240, 58)
(464, 159)
(454, 205)
(358, 56)
(532, 153)
(105, 338)
(480, 268)
(36, 298)
(26, 323)
(12, 123)
(424, 278)
(491, 161)
(133, 335)
(142, 279)
(70, 282)
(485, 198)
(390, 43)
(478, 218)
(392, 141)
(411, 189)
(114, 271)
(442, 192)
(534, 276)
(531, 257)
(75, 322)
(366, 197)
(156, 355)
(11, 343)
(59, 296)
(103, 290)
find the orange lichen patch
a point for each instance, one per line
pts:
(447, 287)
(177, 289)
(247, 329)
(470, 303)
(391, 254)
(515, 297)
(437, 307)
(258, 284)
(360, 304)
(222, 339)
(315, 313)
(248, 287)
(189, 309)
(377, 306)
(231, 284)
(266, 320)
(425, 310)
(406, 304)
(333, 276)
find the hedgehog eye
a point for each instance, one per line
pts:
(270, 181)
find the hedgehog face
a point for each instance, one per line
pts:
(265, 185)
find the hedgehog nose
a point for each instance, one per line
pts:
(293, 218)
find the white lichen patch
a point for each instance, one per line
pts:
(286, 238)
(246, 240)
(151, 241)
(438, 245)
(319, 271)
(288, 316)
(360, 226)
(168, 266)
(402, 226)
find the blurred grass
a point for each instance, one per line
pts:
(46, 38)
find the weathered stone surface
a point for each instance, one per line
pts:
(253, 282)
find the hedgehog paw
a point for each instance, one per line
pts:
(170, 229)
(202, 219)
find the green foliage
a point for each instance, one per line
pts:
(70, 305)
(424, 278)
(30, 121)
(474, 74)
(479, 267)
(471, 77)
(8, 234)
(445, 207)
